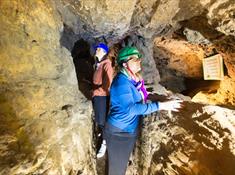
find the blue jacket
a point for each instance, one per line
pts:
(126, 104)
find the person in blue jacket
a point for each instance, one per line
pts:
(127, 104)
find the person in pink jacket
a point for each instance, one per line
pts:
(102, 79)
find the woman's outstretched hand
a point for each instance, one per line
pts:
(173, 105)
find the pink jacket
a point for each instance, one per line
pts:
(102, 78)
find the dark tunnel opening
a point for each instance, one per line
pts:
(194, 86)
(83, 63)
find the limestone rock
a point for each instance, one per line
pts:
(159, 17)
(198, 140)
(223, 96)
(148, 18)
(176, 60)
(195, 37)
(226, 47)
(45, 122)
(99, 18)
(181, 56)
(221, 14)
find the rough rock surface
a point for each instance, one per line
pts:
(98, 18)
(150, 17)
(198, 140)
(176, 60)
(186, 59)
(45, 122)
(225, 94)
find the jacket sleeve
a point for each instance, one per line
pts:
(126, 102)
(109, 76)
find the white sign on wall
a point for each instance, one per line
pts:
(213, 68)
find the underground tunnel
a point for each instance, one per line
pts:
(46, 69)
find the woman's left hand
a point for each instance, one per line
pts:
(173, 105)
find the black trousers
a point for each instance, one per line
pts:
(119, 146)
(101, 108)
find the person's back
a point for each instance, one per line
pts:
(102, 79)
(126, 104)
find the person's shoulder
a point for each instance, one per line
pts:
(121, 80)
(119, 87)
(107, 64)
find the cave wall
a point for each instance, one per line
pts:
(45, 121)
(198, 140)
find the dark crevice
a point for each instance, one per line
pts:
(193, 86)
(83, 63)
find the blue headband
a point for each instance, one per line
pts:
(103, 46)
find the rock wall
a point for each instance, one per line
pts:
(224, 95)
(176, 60)
(198, 140)
(45, 122)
